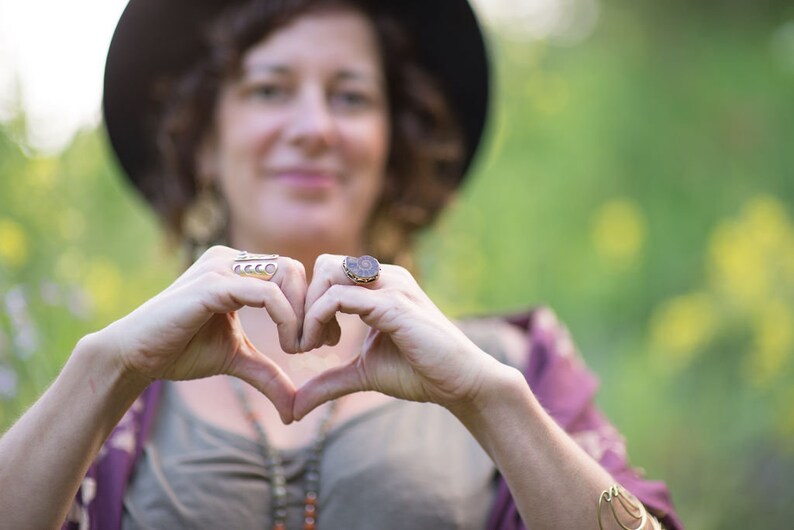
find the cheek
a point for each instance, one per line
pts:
(244, 130)
(242, 143)
(370, 153)
(371, 145)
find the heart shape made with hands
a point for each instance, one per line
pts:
(411, 350)
(304, 381)
(314, 306)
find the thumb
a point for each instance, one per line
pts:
(329, 385)
(256, 369)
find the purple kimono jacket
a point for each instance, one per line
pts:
(555, 373)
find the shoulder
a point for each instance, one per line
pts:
(547, 330)
(506, 341)
(512, 338)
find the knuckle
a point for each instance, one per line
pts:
(269, 288)
(300, 269)
(289, 345)
(401, 273)
(293, 269)
(323, 262)
(217, 257)
(335, 292)
(216, 251)
(398, 297)
(211, 276)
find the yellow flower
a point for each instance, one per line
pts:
(104, 283)
(619, 231)
(681, 326)
(773, 342)
(768, 224)
(752, 257)
(737, 266)
(13, 243)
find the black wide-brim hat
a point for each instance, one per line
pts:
(161, 39)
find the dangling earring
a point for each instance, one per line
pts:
(204, 221)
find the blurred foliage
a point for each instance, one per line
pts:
(77, 250)
(639, 182)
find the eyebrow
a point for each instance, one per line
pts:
(282, 69)
(267, 68)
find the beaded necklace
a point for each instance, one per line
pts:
(278, 479)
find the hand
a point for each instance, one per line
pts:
(191, 329)
(412, 350)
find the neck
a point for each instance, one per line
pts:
(302, 367)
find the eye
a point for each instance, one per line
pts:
(268, 91)
(351, 99)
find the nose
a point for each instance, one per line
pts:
(312, 126)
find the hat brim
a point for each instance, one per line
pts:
(157, 39)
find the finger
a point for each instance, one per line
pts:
(256, 369)
(324, 275)
(373, 306)
(328, 271)
(288, 284)
(330, 334)
(290, 276)
(230, 293)
(210, 260)
(347, 299)
(319, 326)
(329, 385)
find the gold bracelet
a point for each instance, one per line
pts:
(655, 524)
(636, 511)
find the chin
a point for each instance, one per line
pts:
(310, 227)
(320, 237)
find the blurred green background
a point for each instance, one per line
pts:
(640, 181)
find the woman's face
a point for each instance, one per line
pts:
(302, 136)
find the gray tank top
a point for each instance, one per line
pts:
(401, 465)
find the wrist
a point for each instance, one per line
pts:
(501, 388)
(508, 421)
(105, 370)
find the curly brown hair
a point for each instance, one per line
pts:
(426, 157)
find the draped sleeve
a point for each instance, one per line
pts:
(566, 389)
(555, 373)
(99, 501)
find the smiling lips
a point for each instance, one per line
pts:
(302, 178)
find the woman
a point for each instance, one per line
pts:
(319, 130)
